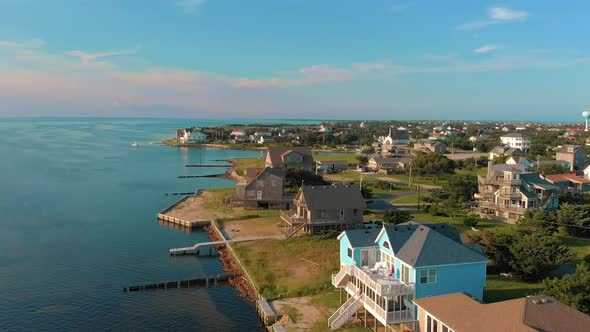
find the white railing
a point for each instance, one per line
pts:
(391, 317)
(345, 311)
(339, 277)
(394, 287)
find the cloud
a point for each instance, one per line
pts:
(87, 58)
(190, 6)
(506, 14)
(485, 49)
(496, 15)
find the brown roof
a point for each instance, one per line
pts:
(276, 154)
(333, 197)
(461, 313)
(566, 177)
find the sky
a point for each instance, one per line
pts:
(316, 59)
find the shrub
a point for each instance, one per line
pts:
(587, 259)
(471, 221)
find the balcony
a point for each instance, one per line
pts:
(291, 218)
(385, 316)
(378, 280)
(491, 205)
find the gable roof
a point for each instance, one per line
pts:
(423, 245)
(332, 197)
(360, 238)
(565, 148)
(534, 179)
(276, 153)
(567, 177)
(515, 168)
(253, 173)
(461, 313)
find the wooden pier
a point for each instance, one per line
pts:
(215, 281)
(194, 250)
(203, 165)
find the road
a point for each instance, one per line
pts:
(382, 202)
(396, 181)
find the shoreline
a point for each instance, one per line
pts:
(231, 174)
(232, 266)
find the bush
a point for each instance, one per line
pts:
(587, 259)
(396, 217)
(471, 221)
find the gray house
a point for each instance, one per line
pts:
(321, 209)
(262, 188)
(283, 157)
(575, 155)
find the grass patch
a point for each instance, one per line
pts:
(499, 288)
(349, 158)
(579, 246)
(409, 199)
(457, 222)
(294, 267)
(244, 163)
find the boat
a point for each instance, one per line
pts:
(135, 144)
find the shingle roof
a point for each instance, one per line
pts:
(565, 148)
(420, 245)
(276, 153)
(460, 313)
(361, 238)
(333, 197)
(518, 168)
(565, 178)
(535, 179)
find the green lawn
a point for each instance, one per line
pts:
(580, 247)
(245, 163)
(499, 288)
(349, 158)
(410, 199)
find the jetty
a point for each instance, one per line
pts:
(194, 250)
(214, 281)
(207, 165)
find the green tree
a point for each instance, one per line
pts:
(534, 255)
(396, 217)
(366, 192)
(432, 164)
(572, 289)
(496, 246)
(548, 169)
(461, 187)
(362, 160)
(294, 178)
(575, 218)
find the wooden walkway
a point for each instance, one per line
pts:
(183, 251)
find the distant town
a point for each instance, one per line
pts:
(403, 225)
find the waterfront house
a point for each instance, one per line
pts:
(575, 155)
(431, 146)
(321, 209)
(284, 157)
(262, 188)
(507, 191)
(459, 312)
(264, 139)
(571, 183)
(190, 136)
(517, 141)
(385, 271)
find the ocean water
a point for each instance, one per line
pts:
(78, 223)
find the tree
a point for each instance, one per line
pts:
(461, 187)
(548, 169)
(534, 255)
(396, 217)
(571, 216)
(538, 220)
(471, 221)
(294, 178)
(572, 289)
(496, 246)
(366, 192)
(432, 164)
(362, 160)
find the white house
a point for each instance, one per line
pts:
(516, 140)
(190, 136)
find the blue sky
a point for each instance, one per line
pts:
(348, 59)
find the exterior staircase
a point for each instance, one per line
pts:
(341, 278)
(343, 314)
(294, 229)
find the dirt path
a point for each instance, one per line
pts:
(238, 229)
(305, 313)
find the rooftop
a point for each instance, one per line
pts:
(333, 197)
(461, 313)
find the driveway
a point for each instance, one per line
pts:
(382, 202)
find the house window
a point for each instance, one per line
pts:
(350, 252)
(386, 245)
(355, 212)
(427, 276)
(341, 214)
(446, 329)
(431, 324)
(405, 273)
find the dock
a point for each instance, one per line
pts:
(204, 165)
(194, 250)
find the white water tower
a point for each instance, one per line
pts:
(586, 116)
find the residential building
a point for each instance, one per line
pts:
(459, 312)
(399, 139)
(190, 136)
(507, 191)
(575, 155)
(385, 271)
(333, 165)
(392, 164)
(501, 151)
(321, 209)
(431, 146)
(522, 160)
(264, 139)
(290, 157)
(571, 183)
(561, 163)
(516, 140)
(262, 188)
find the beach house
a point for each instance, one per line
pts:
(382, 272)
(261, 188)
(285, 157)
(575, 155)
(321, 209)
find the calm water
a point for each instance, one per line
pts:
(77, 224)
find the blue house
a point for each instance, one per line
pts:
(384, 270)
